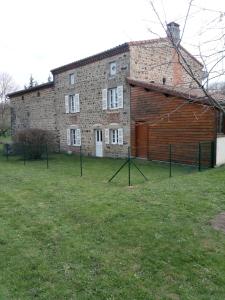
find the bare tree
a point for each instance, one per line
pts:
(7, 85)
(211, 47)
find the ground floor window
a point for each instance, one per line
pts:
(116, 136)
(74, 137)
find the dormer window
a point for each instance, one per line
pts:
(112, 70)
(72, 78)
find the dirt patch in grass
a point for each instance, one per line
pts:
(218, 222)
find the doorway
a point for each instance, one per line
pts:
(141, 133)
(98, 143)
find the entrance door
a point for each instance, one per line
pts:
(98, 142)
(141, 140)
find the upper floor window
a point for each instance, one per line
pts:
(112, 68)
(72, 78)
(72, 103)
(112, 98)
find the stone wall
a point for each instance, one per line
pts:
(157, 59)
(89, 82)
(44, 106)
(34, 109)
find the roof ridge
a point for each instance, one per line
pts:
(170, 89)
(125, 47)
(31, 89)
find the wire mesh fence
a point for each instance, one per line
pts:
(196, 154)
(190, 156)
(141, 163)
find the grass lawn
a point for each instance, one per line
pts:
(5, 139)
(67, 237)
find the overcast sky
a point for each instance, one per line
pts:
(37, 36)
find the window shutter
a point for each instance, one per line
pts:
(67, 108)
(68, 137)
(120, 96)
(120, 136)
(104, 99)
(78, 137)
(106, 136)
(77, 103)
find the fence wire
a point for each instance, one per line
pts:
(145, 163)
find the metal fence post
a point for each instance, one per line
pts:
(47, 155)
(199, 157)
(7, 151)
(81, 162)
(170, 159)
(213, 154)
(129, 183)
(24, 154)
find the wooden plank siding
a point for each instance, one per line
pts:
(170, 120)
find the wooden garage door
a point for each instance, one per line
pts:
(141, 140)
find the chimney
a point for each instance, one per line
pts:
(173, 32)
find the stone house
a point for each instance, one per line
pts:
(88, 103)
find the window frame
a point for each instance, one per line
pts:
(72, 100)
(73, 137)
(71, 78)
(112, 68)
(112, 98)
(114, 137)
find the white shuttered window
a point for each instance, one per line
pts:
(116, 136)
(74, 136)
(112, 98)
(74, 103)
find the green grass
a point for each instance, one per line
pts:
(67, 237)
(5, 139)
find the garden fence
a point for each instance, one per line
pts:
(200, 156)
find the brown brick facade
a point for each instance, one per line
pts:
(158, 60)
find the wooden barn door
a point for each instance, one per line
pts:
(141, 140)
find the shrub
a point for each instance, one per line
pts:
(4, 129)
(32, 142)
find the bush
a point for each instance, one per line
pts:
(4, 129)
(32, 142)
